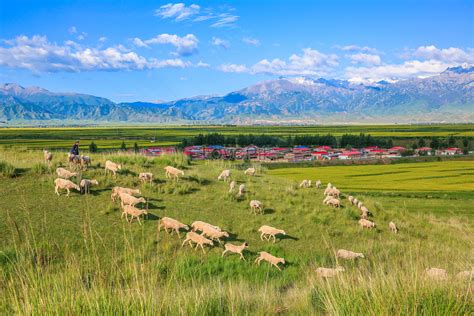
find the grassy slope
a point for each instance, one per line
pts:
(77, 255)
(111, 137)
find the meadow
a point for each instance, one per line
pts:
(74, 255)
(112, 137)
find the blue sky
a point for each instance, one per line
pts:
(161, 50)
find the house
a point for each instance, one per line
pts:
(375, 152)
(396, 150)
(449, 151)
(353, 154)
(319, 154)
(424, 151)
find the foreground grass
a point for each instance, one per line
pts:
(71, 256)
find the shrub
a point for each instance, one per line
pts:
(7, 169)
(40, 168)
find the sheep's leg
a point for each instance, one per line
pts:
(224, 252)
(261, 236)
(56, 190)
(67, 189)
(202, 247)
(185, 241)
(276, 265)
(138, 218)
(274, 238)
(242, 257)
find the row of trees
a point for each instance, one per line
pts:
(93, 148)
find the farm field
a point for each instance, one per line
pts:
(112, 137)
(74, 255)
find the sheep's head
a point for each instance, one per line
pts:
(225, 234)
(185, 227)
(282, 260)
(73, 174)
(181, 172)
(142, 200)
(283, 232)
(245, 244)
(77, 187)
(119, 167)
(209, 242)
(95, 182)
(360, 255)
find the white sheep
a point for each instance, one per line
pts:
(305, 184)
(113, 167)
(327, 198)
(256, 206)
(349, 255)
(318, 184)
(329, 272)
(241, 190)
(250, 172)
(393, 228)
(225, 175)
(466, 275)
(267, 232)
(332, 192)
(350, 198)
(86, 184)
(214, 234)
(232, 186)
(436, 274)
(133, 212)
(127, 199)
(360, 204)
(263, 255)
(48, 157)
(355, 201)
(145, 177)
(199, 240)
(73, 159)
(172, 172)
(365, 223)
(334, 202)
(117, 190)
(65, 185)
(200, 225)
(235, 249)
(170, 223)
(329, 185)
(86, 161)
(65, 174)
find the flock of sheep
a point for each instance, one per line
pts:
(209, 233)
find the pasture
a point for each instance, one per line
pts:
(74, 255)
(112, 137)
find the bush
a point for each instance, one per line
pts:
(7, 169)
(40, 168)
(93, 147)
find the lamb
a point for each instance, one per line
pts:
(199, 240)
(232, 186)
(349, 255)
(134, 212)
(350, 198)
(48, 157)
(113, 167)
(263, 255)
(360, 204)
(235, 249)
(355, 201)
(170, 223)
(65, 174)
(393, 227)
(117, 190)
(305, 184)
(334, 202)
(250, 172)
(199, 225)
(241, 190)
(214, 234)
(332, 192)
(85, 161)
(127, 199)
(172, 172)
(66, 185)
(318, 184)
(327, 198)
(146, 177)
(365, 223)
(267, 232)
(436, 274)
(225, 175)
(329, 272)
(256, 206)
(466, 275)
(365, 212)
(85, 185)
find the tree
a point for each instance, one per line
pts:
(451, 141)
(414, 146)
(434, 143)
(136, 149)
(123, 146)
(465, 142)
(93, 147)
(421, 142)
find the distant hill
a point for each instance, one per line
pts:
(447, 97)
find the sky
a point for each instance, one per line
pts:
(160, 50)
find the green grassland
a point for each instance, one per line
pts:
(75, 255)
(112, 137)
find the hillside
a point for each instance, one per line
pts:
(448, 97)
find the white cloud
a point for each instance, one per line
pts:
(40, 55)
(251, 41)
(216, 41)
(357, 48)
(310, 62)
(369, 59)
(233, 68)
(177, 11)
(202, 64)
(185, 45)
(180, 12)
(72, 30)
(451, 54)
(102, 39)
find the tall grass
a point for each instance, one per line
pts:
(7, 169)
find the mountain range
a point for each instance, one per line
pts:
(447, 97)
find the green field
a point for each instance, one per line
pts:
(75, 255)
(112, 137)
